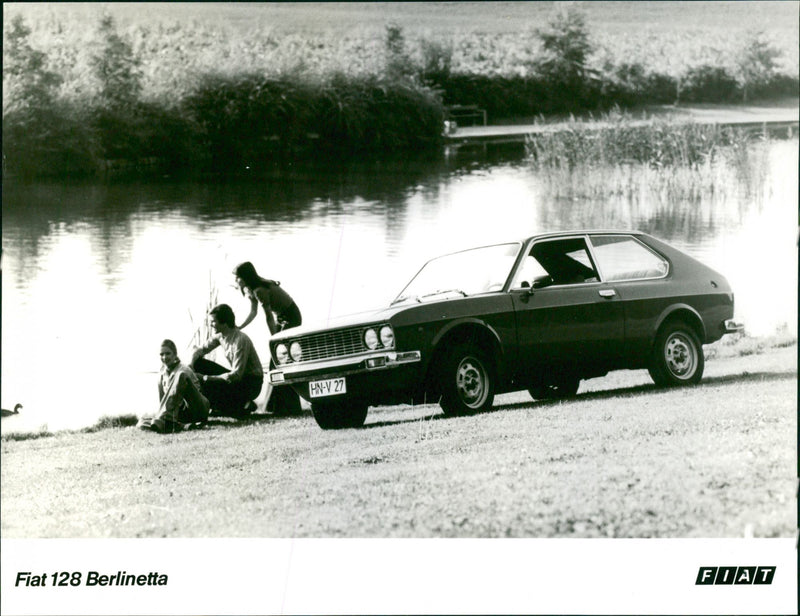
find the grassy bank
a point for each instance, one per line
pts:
(86, 92)
(621, 460)
(737, 345)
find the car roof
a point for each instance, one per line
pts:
(554, 234)
(539, 236)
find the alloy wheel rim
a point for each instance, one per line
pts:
(471, 382)
(681, 356)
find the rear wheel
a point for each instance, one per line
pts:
(467, 381)
(339, 414)
(564, 388)
(677, 357)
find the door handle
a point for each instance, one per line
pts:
(607, 293)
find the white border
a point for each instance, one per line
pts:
(400, 576)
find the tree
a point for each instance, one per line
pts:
(566, 48)
(398, 64)
(27, 84)
(437, 60)
(755, 63)
(117, 68)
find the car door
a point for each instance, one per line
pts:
(567, 319)
(640, 277)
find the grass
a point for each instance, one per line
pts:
(631, 461)
(106, 422)
(742, 345)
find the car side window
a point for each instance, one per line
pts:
(529, 271)
(621, 257)
(556, 262)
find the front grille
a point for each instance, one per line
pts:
(338, 343)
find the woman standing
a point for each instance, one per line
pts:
(281, 312)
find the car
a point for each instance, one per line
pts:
(538, 314)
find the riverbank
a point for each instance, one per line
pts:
(169, 98)
(704, 461)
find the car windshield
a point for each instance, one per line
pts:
(479, 270)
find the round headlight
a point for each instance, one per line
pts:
(371, 339)
(387, 337)
(296, 351)
(281, 353)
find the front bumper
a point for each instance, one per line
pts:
(331, 368)
(731, 326)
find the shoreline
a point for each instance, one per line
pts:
(721, 351)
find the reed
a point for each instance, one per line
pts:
(656, 164)
(202, 330)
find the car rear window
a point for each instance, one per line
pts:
(621, 257)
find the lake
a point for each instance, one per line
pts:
(95, 275)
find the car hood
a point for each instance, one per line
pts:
(366, 317)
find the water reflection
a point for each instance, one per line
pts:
(95, 275)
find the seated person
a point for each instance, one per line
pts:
(178, 393)
(230, 391)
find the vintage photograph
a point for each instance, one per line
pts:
(400, 270)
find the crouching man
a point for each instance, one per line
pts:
(230, 391)
(181, 401)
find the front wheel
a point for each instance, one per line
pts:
(677, 356)
(467, 381)
(339, 414)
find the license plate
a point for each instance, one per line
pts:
(327, 387)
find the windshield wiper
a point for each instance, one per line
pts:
(404, 299)
(443, 291)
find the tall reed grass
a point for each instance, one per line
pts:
(652, 162)
(202, 327)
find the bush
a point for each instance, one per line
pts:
(253, 120)
(48, 142)
(707, 84)
(246, 120)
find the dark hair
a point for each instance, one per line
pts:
(250, 277)
(248, 274)
(224, 314)
(170, 345)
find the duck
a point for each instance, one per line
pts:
(7, 413)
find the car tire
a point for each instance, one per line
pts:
(677, 356)
(339, 414)
(467, 381)
(564, 388)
